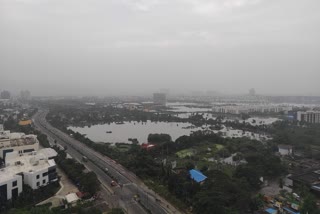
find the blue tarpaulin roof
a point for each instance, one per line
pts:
(271, 210)
(197, 176)
(290, 210)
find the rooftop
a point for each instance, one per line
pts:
(197, 175)
(8, 139)
(311, 177)
(72, 197)
(30, 163)
(271, 210)
(282, 146)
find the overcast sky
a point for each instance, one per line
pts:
(103, 47)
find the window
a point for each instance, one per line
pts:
(38, 184)
(45, 174)
(44, 181)
(52, 170)
(38, 176)
(14, 183)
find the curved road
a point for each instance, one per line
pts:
(131, 184)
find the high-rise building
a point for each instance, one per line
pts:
(309, 116)
(5, 95)
(252, 92)
(159, 98)
(25, 95)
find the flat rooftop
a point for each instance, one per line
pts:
(24, 140)
(8, 139)
(30, 163)
(309, 177)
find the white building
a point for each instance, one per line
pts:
(245, 109)
(309, 116)
(10, 186)
(34, 169)
(285, 149)
(19, 142)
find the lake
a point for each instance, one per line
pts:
(122, 132)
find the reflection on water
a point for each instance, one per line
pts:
(122, 132)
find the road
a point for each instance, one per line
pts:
(131, 184)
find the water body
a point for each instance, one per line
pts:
(122, 132)
(187, 107)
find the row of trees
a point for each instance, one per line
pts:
(87, 182)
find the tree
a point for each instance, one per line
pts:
(309, 205)
(116, 211)
(281, 183)
(159, 138)
(89, 183)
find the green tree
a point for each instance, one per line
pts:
(309, 205)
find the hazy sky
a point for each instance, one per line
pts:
(74, 47)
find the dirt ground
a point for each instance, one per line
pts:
(66, 187)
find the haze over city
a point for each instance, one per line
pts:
(82, 47)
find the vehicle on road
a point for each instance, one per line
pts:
(113, 183)
(84, 159)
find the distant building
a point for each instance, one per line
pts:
(285, 149)
(19, 142)
(245, 109)
(159, 98)
(309, 116)
(252, 92)
(25, 122)
(35, 170)
(25, 95)
(132, 106)
(5, 95)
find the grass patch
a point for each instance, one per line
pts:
(185, 153)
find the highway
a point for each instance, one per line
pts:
(116, 196)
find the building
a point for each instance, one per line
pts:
(252, 92)
(285, 149)
(25, 122)
(197, 176)
(159, 98)
(246, 109)
(19, 142)
(5, 95)
(132, 106)
(35, 169)
(25, 95)
(310, 178)
(72, 198)
(10, 186)
(309, 116)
